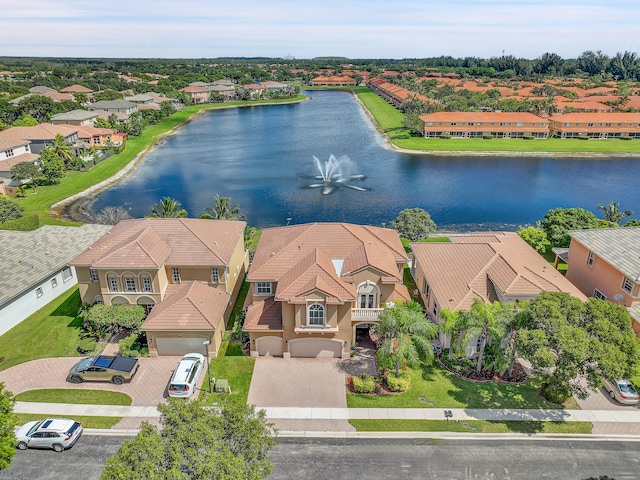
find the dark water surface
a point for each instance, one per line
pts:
(262, 157)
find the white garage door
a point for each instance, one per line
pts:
(273, 346)
(315, 347)
(178, 346)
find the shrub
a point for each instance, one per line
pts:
(385, 362)
(487, 137)
(399, 384)
(363, 384)
(87, 346)
(103, 321)
(557, 393)
(129, 346)
(445, 137)
(23, 224)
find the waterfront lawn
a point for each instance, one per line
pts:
(87, 422)
(389, 120)
(435, 387)
(52, 331)
(80, 397)
(475, 426)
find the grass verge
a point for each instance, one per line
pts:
(471, 426)
(82, 397)
(87, 422)
(52, 331)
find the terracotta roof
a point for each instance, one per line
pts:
(59, 96)
(265, 315)
(485, 117)
(8, 163)
(615, 117)
(188, 306)
(76, 89)
(152, 242)
(9, 140)
(485, 265)
(44, 131)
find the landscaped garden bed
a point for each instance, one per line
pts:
(464, 369)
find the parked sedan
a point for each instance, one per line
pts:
(54, 433)
(621, 390)
(104, 367)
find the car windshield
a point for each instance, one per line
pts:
(85, 363)
(627, 388)
(34, 428)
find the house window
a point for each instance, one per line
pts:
(263, 288)
(9, 152)
(96, 140)
(130, 283)
(589, 124)
(54, 282)
(315, 314)
(98, 300)
(175, 274)
(39, 292)
(519, 124)
(590, 259)
(627, 285)
(215, 276)
(598, 294)
(66, 274)
(453, 124)
(435, 309)
(113, 283)
(94, 275)
(146, 283)
(426, 288)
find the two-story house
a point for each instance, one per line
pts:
(605, 263)
(185, 272)
(313, 286)
(13, 150)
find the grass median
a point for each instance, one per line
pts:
(87, 422)
(471, 426)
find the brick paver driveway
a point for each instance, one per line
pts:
(148, 387)
(600, 400)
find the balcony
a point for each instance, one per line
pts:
(366, 313)
(316, 329)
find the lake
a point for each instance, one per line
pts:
(263, 158)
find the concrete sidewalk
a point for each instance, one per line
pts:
(594, 416)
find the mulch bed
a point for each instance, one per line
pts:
(380, 388)
(518, 375)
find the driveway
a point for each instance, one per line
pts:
(148, 387)
(600, 400)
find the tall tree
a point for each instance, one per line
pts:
(26, 171)
(7, 424)
(62, 149)
(51, 166)
(222, 209)
(535, 237)
(168, 208)
(612, 212)
(229, 442)
(414, 224)
(406, 335)
(559, 221)
(9, 210)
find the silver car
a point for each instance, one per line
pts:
(184, 378)
(621, 390)
(55, 433)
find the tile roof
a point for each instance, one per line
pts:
(8, 163)
(27, 258)
(619, 247)
(152, 242)
(188, 306)
(44, 131)
(76, 89)
(107, 104)
(41, 89)
(265, 315)
(74, 115)
(473, 266)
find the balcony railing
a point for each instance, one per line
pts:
(366, 313)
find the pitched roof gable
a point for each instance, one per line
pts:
(145, 250)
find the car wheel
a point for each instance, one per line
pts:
(612, 395)
(57, 447)
(118, 380)
(76, 379)
(22, 446)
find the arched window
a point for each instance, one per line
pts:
(113, 283)
(315, 314)
(98, 300)
(147, 286)
(368, 295)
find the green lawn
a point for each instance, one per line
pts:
(82, 397)
(476, 426)
(389, 120)
(53, 331)
(435, 387)
(236, 367)
(87, 422)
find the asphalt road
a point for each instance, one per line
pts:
(396, 459)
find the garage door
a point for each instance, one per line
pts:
(178, 346)
(273, 346)
(315, 347)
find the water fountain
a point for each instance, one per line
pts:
(336, 173)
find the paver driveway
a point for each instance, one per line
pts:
(148, 387)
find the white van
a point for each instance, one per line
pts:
(184, 378)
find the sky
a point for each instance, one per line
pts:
(306, 29)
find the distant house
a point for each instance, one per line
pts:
(44, 134)
(595, 125)
(114, 106)
(185, 272)
(76, 89)
(333, 81)
(486, 266)
(41, 89)
(36, 266)
(13, 150)
(484, 124)
(605, 263)
(98, 137)
(394, 94)
(75, 117)
(198, 94)
(59, 96)
(314, 287)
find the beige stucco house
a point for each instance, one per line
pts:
(313, 286)
(605, 263)
(185, 272)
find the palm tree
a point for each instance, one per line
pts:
(62, 149)
(612, 212)
(168, 208)
(406, 335)
(222, 209)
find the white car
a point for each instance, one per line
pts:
(56, 433)
(184, 378)
(621, 390)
